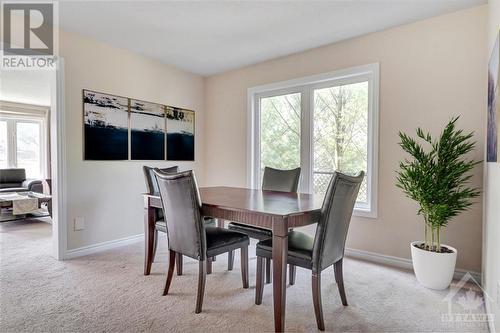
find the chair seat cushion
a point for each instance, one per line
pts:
(209, 221)
(300, 249)
(220, 240)
(160, 225)
(251, 231)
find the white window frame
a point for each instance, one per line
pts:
(26, 113)
(306, 86)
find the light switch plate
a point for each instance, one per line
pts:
(79, 223)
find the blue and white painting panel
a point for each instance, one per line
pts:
(147, 127)
(105, 126)
(180, 134)
(493, 125)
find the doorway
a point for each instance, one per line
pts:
(31, 125)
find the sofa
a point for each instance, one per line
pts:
(14, 180)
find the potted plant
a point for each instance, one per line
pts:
(437, 179)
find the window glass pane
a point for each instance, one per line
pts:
(3, 145)
(340, 134)
(28, 148)
(280, 131)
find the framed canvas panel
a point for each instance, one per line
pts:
(492, 141)
(105, 119)
(147, 130)
(180, 134)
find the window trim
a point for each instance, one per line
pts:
(18, 112)
(306, 85)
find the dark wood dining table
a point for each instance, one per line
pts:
(277, 211)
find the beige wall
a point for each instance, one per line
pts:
(491, 252)
(106, 193)
(429, 71)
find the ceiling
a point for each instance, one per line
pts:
(209, 37)
(25, 86)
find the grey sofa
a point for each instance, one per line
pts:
(14, 180)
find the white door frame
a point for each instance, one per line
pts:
(58, 163)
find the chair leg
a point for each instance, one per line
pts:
(179, 263)
(230, 260)
(292, 271)
(318, 308)
(155, 244)
(202, 278)
(339, 278)
(268, 270)
(170, 274)
(209, 265)
(244, 266)
(259, 289)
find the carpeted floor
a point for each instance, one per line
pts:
(107, 292)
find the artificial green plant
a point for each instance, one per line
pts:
(437, 178)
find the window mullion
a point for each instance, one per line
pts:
(256, 176)
(305, 140)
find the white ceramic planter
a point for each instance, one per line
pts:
(433, 270)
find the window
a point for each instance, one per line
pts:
(323, 123)
(280, 131)
(28, 147)
(23, 143)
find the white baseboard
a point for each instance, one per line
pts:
(400, 262)
(94, 248)
(353, 253)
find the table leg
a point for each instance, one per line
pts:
(280, 253)
(149, 231)
(219, 223)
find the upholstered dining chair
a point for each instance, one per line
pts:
(152, 188)
(272, 180)
(160, 225)
(326, 248)
(186, 231)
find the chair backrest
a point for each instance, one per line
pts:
(16, 175)
(149, 176)
(336, 212)
(280, 180)
(181, 208)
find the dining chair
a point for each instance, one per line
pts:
(160, 225)
(187, 233)
(326, 248)
(272, 180)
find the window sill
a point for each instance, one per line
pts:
(372, 214)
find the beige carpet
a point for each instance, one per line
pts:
(107, 292)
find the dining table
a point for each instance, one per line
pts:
(276, 211)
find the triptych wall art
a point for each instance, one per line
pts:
(120, 128)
